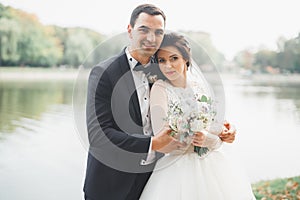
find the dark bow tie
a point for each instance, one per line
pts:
(140, 67)
(147, 70)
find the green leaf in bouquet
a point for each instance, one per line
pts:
(201, 150)
(173, 133)
(203, 98)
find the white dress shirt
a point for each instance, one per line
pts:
(143, 93)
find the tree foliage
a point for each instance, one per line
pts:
(204, 50)
(25, 41)
(286, 59)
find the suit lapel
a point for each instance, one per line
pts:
(134, 106)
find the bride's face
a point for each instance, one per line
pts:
(171, 63)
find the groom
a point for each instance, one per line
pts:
(122, 150)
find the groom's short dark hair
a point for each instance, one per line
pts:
(146, 8)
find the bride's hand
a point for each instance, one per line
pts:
(228, 133)
(198, 139)
(164, 143)
(206, 139)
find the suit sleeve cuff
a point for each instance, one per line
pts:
(150, 157)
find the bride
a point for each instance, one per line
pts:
(187, 174)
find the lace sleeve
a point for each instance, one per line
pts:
(158, 106)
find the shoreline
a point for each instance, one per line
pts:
(37, 74)
(47, 74)
(263, 78)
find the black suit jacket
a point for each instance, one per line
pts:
(117, 142)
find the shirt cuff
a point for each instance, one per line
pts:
(150, 157)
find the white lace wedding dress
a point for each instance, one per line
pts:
(184, 175)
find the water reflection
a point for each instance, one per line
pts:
(41, 154)
(28, 100)
(290, 96)
(37, 130)
(286, 95)
(267, 118)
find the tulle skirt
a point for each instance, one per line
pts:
(189, 177)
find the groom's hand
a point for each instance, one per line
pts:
(228, 133)
(164, 143)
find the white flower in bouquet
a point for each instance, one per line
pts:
(197, 125)
(191, 114)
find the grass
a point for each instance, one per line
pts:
(278, 189)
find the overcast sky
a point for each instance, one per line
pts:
(233, 24)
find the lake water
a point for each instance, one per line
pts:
(43, 156)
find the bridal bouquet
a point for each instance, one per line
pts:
(189, 115)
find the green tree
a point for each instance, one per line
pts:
(25, 41)
(37, 46)
(77, 47)
(289, 58)
(9, 33)
(264, 58)
(204, 50)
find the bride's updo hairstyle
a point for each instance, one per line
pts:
(178, 41)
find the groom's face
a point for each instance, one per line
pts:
(147, 34)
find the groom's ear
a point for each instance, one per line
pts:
(129, 30)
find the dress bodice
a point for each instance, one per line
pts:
(184, 98)
(179, 94)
